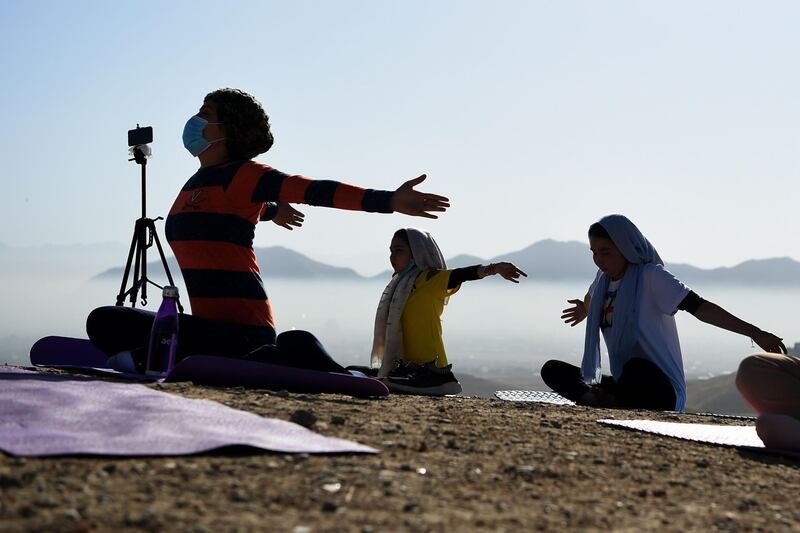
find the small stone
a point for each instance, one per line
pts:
(329, 507)
(410, 507)
(338, 420)
(423, 447)
(659, 493)
(332, 487)
(282, 393)
(303, 418)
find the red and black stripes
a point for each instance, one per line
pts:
(212, 224)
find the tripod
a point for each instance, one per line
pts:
(144, 234)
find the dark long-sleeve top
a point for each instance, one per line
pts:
(460, 275)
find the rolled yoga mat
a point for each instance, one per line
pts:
(67, 352)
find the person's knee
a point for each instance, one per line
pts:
(748, 376)
(550, 369)
(298, 340)
(97, 320)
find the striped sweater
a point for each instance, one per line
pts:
(212, 224)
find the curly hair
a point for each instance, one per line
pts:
(247, 132)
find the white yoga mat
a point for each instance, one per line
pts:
(737, 436)
(535, 396)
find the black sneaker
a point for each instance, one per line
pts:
(425, 380)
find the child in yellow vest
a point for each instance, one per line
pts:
(408, 351)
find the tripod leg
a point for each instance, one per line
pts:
(122, 291)
(164, 262)
(137, 281)
(147, 228)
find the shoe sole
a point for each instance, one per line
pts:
(446, 389)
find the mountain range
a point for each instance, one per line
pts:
(546, 260)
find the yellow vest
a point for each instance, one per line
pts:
(422, 318)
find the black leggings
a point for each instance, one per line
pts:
(642, 384)
(115, 329)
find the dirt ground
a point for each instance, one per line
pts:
(446, 464)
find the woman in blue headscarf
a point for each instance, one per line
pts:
(633, 301)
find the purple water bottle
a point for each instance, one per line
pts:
(164, 335)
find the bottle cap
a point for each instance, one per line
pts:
(170, 291)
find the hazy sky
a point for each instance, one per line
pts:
(535, 118)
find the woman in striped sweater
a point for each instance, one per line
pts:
(211, 226)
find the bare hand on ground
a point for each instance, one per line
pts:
(509, 271)
(769, 342)
(574, 315)
(287, 216)
(418, 204)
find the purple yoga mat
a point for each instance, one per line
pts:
(222, 371)
(67, 352)
(44, 415)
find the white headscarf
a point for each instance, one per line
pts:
(387, 342)
(638, 251)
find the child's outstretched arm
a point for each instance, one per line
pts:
(580, 310)
(284, 215)
(711, 313)
(509, 271)
(472, 273)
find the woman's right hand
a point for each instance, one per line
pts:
(574, 315)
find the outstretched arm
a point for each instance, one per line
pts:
(471, 273)
(580, 309)
(711, 313)
(508, 271)
(275, 186)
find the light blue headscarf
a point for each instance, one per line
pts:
(638, 251)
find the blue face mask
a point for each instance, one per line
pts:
(193, 138)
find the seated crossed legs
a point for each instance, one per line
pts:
(771, 385)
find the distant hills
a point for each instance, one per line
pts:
(546, 260)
